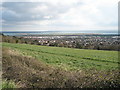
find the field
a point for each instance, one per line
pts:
(69, 58)
(33, 66)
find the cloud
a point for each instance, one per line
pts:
(59, 15)
(15, 12)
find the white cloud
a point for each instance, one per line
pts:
(41, 8)
(74, 14)
(90, 16)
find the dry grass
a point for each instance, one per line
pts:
(28, 72)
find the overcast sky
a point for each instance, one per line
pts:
(59, 15)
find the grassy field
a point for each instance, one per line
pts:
(69, 58)
(33, 66)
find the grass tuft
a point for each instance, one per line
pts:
(8, 85)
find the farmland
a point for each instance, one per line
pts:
(69, 59)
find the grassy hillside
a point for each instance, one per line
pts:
(69, 59)
(21, 71)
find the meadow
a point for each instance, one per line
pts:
(69, 58)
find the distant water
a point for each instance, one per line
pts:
(13, 33)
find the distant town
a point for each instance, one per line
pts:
(81, 41)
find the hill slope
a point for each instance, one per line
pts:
(27, 72)
(68, 58)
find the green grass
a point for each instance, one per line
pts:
(8, 85)
(69, 58)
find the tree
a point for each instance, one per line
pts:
(78, 45)
(17, 41)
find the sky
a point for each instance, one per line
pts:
(59, 15)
